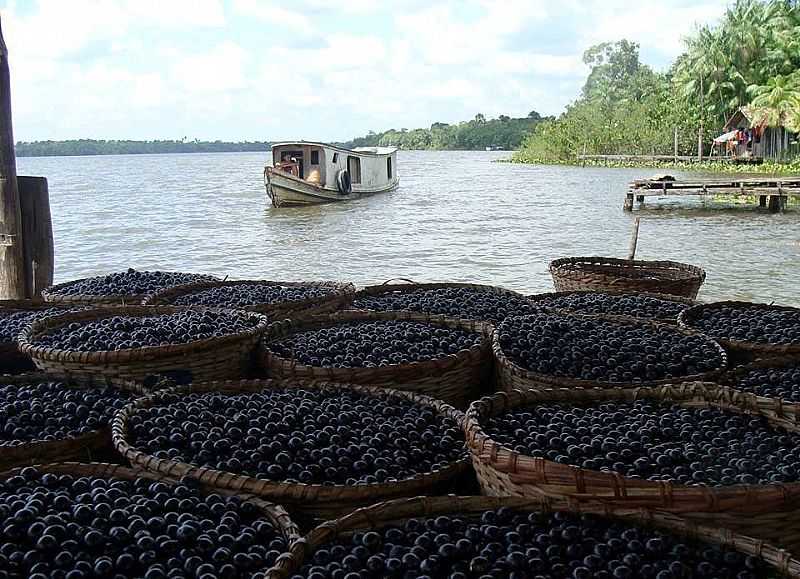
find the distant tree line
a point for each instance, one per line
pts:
(102, 147)
(503, 132)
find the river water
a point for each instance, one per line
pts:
(456, 216)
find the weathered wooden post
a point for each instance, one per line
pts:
(37, 233)
(13, 281)
(675, 151)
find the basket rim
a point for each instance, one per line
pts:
(396, 510)
(501, 458)
(293, 327)
(166, 296)
(276, 514)
(27, 338)
(49, 294)
(281, 489)
(506, 364)
(697, 272)
(688, 316)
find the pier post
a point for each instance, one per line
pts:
(628, 206)
(762, 200)
(13, 282)
(37, 233)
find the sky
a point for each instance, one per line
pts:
(311, 69)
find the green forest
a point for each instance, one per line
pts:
(98, 147)
(750, 58)
(503, 132)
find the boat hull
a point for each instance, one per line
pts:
(288, 191)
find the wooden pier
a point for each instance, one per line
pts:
(772, 194)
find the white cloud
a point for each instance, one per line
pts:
(220, 69)
(311, 68)
(275, 14)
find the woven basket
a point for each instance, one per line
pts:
(314, 501)
(456, 378)
(634, 276)
(225, 357)
(275, 514)
(88, 446)
(503, 472)
(51, 295)
(400, 510)
(412, 286)
(339, 295)
(511, 376)
(11, 359)
(539, 298)
(742, 351)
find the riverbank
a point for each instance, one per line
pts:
(766, 168)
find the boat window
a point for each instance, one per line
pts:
(336, 157)
(315, 157)
(389, 167)
(354, 168)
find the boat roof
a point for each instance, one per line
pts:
(362, 150)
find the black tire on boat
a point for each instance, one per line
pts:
(343, 181)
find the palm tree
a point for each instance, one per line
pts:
(778, 101)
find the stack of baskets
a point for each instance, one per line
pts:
(634, 276)
(741, 517)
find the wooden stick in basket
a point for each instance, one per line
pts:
(634, 239)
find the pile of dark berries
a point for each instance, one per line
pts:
(783, 383)
(748, 324)
(604, 351)
(634, 305)
(315, 436)
(128, 283)
(69, 527)
(516, 545)
(372, 344)
(250, 294)
(456, 302)
(48, 411)
(124, 332)
(13, 322)
(654, 441)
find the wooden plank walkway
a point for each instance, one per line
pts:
(674, 159)
(771, 192)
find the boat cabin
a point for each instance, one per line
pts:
(368, 168)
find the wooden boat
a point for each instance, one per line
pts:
(305, 173)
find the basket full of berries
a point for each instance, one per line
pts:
(455, 536)
(120, 288)
(136, 342)
(320, 449)
(134, 524)
(556, 350)
(276, 299)
(748, 330)
(698, 449)
(462, 301)
(433, 355)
